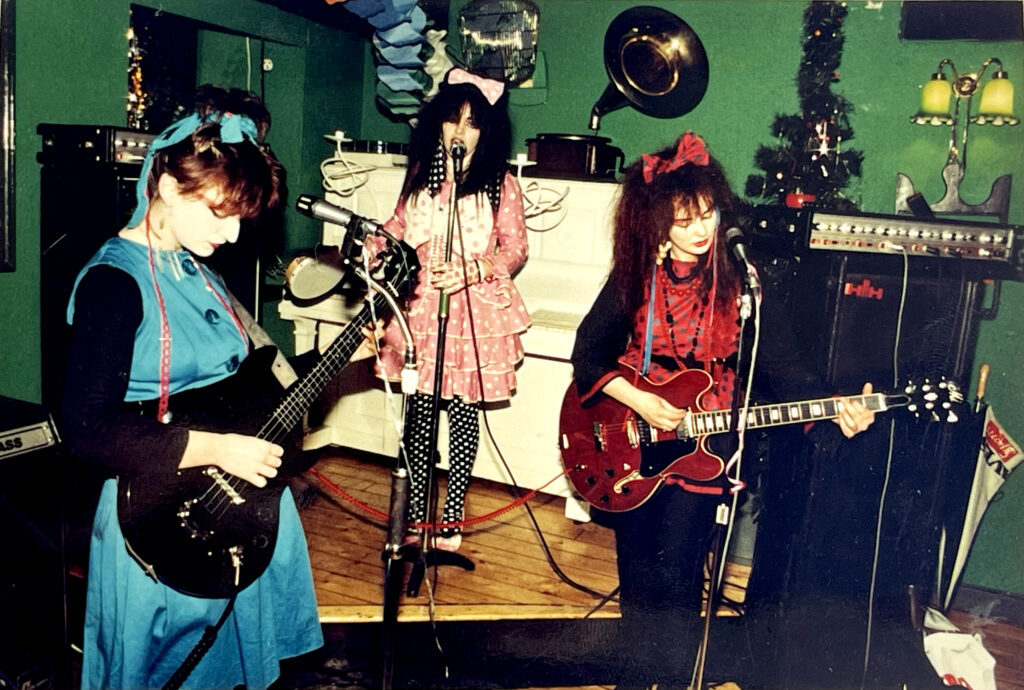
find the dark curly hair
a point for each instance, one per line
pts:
(644, 213)
(247, 173)
(492, 151)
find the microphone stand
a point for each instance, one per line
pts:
(432, 556)
(723, 513)
(394, 556)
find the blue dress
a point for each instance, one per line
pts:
(137, 630)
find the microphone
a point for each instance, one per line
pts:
(322, 210)
(356, 227)
(458, 149)
(736, 241)
(737, 244)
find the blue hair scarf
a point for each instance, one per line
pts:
(234, 129)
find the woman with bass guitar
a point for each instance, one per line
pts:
(670, 305)
(151, 325)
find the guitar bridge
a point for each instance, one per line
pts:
(218, 477)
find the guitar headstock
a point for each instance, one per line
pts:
(396, 272)
(939, 400)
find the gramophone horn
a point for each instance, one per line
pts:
(655, 62)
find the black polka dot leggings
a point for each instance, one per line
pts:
(463, 440)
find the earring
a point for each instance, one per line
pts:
(437, 171)
(663, 250)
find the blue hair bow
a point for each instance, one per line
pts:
(234, 129)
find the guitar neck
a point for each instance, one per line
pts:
(717, 421)
(304, 392)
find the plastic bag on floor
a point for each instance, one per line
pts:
(959, 658)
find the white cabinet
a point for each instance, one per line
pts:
(570, 250)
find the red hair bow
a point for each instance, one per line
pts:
(690, 149)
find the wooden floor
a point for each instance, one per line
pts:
(1003, 641)
(513, 577)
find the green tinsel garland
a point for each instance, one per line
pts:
(809, 159)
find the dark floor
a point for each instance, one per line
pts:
(818, 649)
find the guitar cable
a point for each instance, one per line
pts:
(735, 463)
(905, 281)
(179, 677)
(516, 489)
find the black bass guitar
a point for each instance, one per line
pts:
(207, 533)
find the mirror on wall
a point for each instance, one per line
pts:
(7, 135)
(162, 57)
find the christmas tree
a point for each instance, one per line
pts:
(809, 164)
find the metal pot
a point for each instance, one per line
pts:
(574, 156)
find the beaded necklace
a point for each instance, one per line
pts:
(707, 308)
(165, 327)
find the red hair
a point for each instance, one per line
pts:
(644, 214)
(246, 173)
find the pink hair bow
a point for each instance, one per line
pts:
(490, 88)
(690, 149)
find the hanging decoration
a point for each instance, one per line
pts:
(137, 99)
(499, 39)
(809, 163)
(398, 42)
(438, 63)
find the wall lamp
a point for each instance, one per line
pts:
(941, 101)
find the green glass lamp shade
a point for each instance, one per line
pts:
(996, 106)
(935, 97)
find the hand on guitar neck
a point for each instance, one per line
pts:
(853, 417)
(248, 457)
(620, 449)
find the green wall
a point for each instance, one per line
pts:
(754, 49)
(79, 77)
(323, 81)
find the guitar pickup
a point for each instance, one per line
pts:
(599, 442)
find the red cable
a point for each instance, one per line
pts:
(441, 525)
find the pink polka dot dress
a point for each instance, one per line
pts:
(483, 331)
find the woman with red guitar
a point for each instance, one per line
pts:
(670, 304)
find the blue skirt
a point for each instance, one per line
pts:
(138, 631)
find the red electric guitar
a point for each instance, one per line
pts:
(616, 461)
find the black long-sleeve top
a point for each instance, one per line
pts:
(96, 424)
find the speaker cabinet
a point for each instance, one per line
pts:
(82, 206)
(865, 320)
(859, 318)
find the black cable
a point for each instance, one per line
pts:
(263, 72)
(179, 677)
(518, 491)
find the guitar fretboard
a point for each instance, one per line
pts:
(703, 423)
(302, 395)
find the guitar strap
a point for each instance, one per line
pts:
(283, 371)
(649, 331)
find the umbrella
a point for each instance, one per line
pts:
(998, 455)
